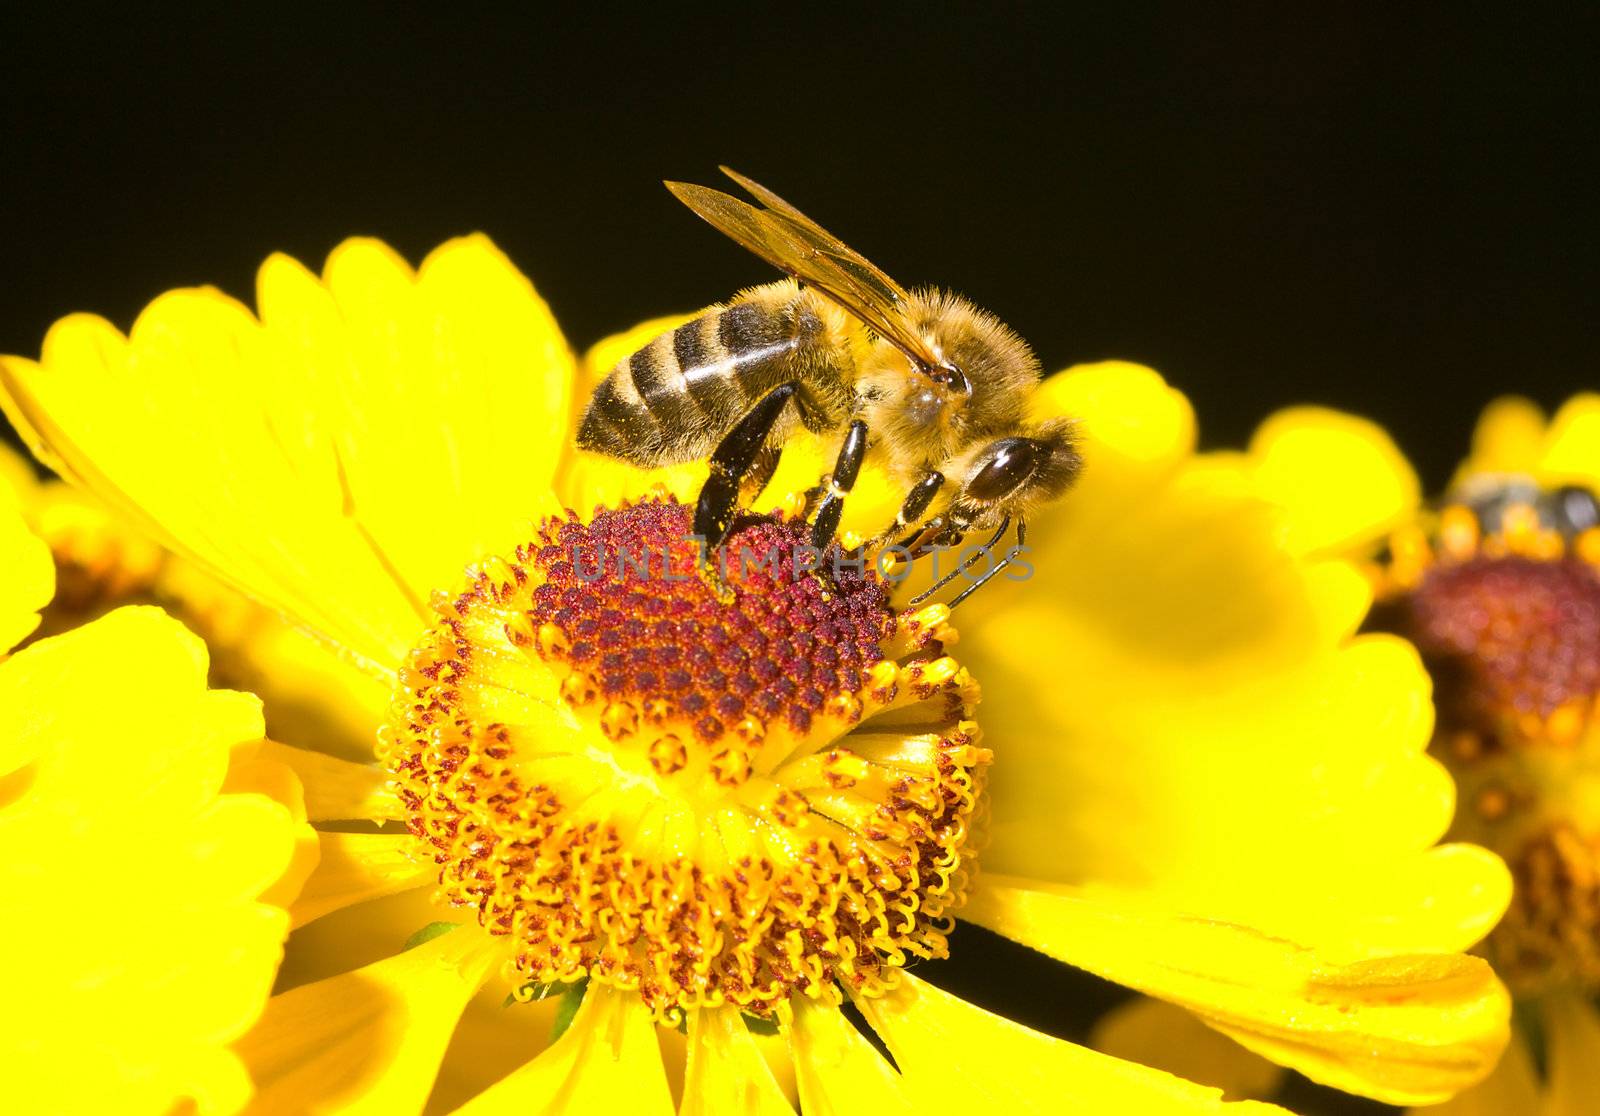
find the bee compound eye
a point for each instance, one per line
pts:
(1007, 464)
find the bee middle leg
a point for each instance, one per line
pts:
(840, 482)
(731, 463)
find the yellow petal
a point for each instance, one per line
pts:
(453, 383)
(1340, 594)
(492, 1040)
(1446, 898)
(726, 1075)
(1176, 703)
(355, 936)
(608, 1061)
(1404, 1029)
(367, 1041)
(314, 696)
(139, 973)
(1513, 1087)
(1340, 480)
(355, 867)
(1572, 1029)
(1161, 1035)
(1132, 429)
(95, 403)
(1509, 438)
(30, 576)
(1572, 444)
(589, 480)
(1204, 706)
(1128, 417)
(336, 789)
(18, 484)
(300, 452)
(960, 1058)
(837, 1071)
(252, 771)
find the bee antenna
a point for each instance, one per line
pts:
(987, 548)
(1000, 565)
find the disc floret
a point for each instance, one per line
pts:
(710, 793)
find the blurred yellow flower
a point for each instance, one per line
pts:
(1497, 586)
(150, 854)
(1200, 783)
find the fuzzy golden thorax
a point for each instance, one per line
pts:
(922, 424)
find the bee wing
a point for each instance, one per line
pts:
(798, 246)
(868, 272)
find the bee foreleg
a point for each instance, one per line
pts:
(915, 544)
(730, 463)
(842, 480)
(911, 509)
(915, 503)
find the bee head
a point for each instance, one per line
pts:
(1005, 476)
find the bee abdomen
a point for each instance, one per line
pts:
(673, 399)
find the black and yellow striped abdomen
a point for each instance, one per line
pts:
(674, 399)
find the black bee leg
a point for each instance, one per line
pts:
(760, 475)
(1022, 535)
(915, 503)
(730, 464)
(810, 498)
(843, 479)
(914, 542)
(987, 548)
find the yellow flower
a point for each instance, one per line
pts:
(1201, 785)
(1496, 585)
(308, 692)
(150, 855)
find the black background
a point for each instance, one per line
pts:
(1389, 208)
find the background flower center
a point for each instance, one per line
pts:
(1505, 608)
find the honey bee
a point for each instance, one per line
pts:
(932, 387)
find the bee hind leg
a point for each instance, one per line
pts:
(755, 482)
(731, 463)
(843, 478)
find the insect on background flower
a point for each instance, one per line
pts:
(633, 845)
